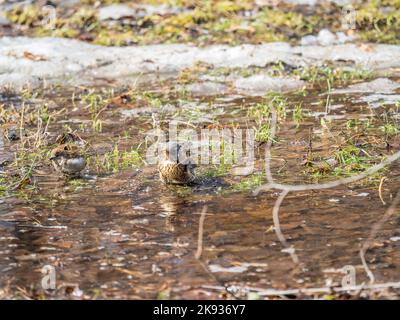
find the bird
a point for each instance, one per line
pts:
(68, 160)
(11, 132)
(70, 137)
(172, 170)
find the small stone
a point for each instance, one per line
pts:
(309, 40)
(206, 88)
(380, 85)
(362, 194)
(378, 100)
(77, 292)
(326, 38)
(3, 20)
(342, 37)
(243, 171)
(115, 12)
(143, 10)
(259, 84)
(214, 268)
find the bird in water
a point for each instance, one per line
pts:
(68, 160)
(67, 157)
(172, 169)
(11, 131)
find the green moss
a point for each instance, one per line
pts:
(276, 18)
(26, 15)
(377, 23)
(249, 183)
(115, 38)
(208, 22)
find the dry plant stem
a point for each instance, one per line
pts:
(328, 290)
(277, 228)
(21, 123)
(200, 235)
(375, 229)
(380, 190)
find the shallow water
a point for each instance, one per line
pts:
(126, 235)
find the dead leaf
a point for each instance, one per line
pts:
(34, 57)
(366, 47)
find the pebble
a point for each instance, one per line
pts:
(115, 12)
(326, 38)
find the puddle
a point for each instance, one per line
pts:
(283, 92)
(120, 233)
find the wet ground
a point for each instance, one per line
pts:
(118, 232)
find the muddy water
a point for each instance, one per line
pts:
(126, 235)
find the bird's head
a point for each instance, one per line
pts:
(171, 151)
(64, 151)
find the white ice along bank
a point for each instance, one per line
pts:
(68, 61)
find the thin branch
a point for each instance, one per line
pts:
(277, 227)
(200, 235)
(380, 190)
(274, 292)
